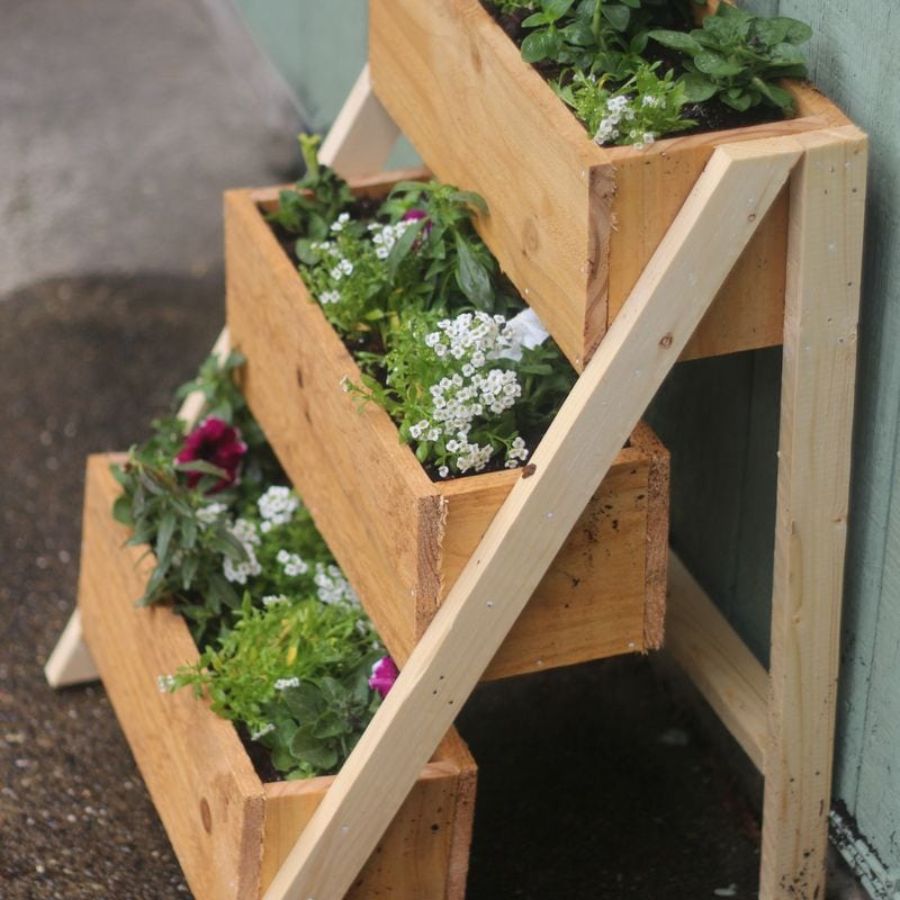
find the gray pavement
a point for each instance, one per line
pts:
(120, 126)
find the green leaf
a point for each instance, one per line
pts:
(305, 253)
(164, 535)
(304, 701)
(307, 747)
(122, 510)
(541, 45)
(556, 8)
(717, 65)
(404, 245)
(697, 88)
(471, 276)
(775, 95)
(201, 466)
(617, 16)
(676, 40)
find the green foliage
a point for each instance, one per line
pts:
(510, 7)
(643, 109)
(737, 57)
(371, 272)
(296, 675)
(316, 200)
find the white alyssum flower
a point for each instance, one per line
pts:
(617, 109)
(282, 684)
(525, 330)
(165, 683)
(245, 533)
(274, 600)
(293, 563)
(277, 506)
(208, 514)
(332, 587)
(338, 224)
(262, 732)
(327, 297)
(517, 452)
(647, 138)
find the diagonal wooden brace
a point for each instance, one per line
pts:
(714, 225)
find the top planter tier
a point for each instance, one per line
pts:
(572, 224)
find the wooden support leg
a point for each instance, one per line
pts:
(646, 338)
(358, 144)
(822, 300)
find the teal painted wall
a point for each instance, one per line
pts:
(720, 417)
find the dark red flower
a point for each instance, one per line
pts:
(218, 443)
(414, 215)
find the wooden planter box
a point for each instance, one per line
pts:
(229, 830)
(402, 539)
(572, 224)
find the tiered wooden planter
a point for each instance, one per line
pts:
(571, 223)
(230, 830)
(402, 539)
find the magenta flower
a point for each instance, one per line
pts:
(218, 443)
(384, 674)
(414, 215)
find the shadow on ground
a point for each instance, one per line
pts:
(592, 785)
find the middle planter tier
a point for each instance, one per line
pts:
(401, 538)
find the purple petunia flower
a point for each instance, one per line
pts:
(218, 443)
(384, 674)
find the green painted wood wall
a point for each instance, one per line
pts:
(720, 417)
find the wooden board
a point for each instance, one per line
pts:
(402, 539)
(572, 224)
(230, 831)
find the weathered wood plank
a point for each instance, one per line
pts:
(665, 308)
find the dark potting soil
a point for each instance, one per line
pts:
(711, 115)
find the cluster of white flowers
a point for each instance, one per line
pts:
(621, 110)
(274, 600)
(518, 451)
(332, 587)
(385, 236)
(457, 400)
(327, 297)
(282, 684)
(277, 507)
(208, 514)
(293, 563)
(262, 732)
(344, 267)
(165, 683)
(245, 532)
(338, 224)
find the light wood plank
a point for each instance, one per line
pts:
(821, 311)
(718, 219)
(71, 661)
(720, 664)
(362, 136)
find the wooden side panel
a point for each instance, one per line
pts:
(368, 495)
(482, 119)
(424, 854)
(201, 780)
(591, 603)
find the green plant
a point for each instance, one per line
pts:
(316, 200)
(737, 56)
(509, 7)
(295, 674)
(643, 109)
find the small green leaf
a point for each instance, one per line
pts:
(540, 46)
(164, 535)
(617, 16)
(676, 40)
(471, 276)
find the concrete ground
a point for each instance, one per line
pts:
(119, 126)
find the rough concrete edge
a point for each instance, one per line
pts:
(249, 60)
(862, 859)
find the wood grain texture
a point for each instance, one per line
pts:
(533, 523)
(401, 538)
(719, 663)
(229, 830)
(572, 224)
(821, 313)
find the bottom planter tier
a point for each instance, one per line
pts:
(230, 830)
(401, 538)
